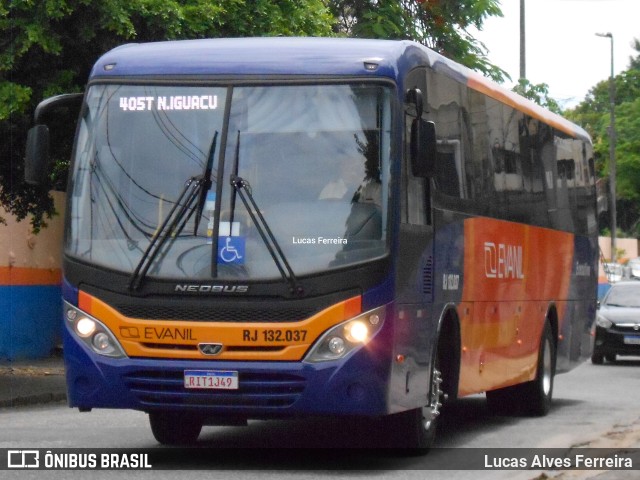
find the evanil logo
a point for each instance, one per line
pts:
(503, 261)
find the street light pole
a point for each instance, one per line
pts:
(612, 150)
(523, 50)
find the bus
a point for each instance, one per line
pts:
(288, 227)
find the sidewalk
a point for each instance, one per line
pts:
(29, 382)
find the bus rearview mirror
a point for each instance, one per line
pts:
(36, 168)
(423, 148)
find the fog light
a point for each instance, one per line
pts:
(357, 332)
(101, 341)
(85, 327)
(337, 346)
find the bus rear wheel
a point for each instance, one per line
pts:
(170, 428)
(534, 397)
(538, 392)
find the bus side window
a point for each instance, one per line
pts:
(448, 108)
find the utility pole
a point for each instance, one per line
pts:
(523, 53)
(612, 151)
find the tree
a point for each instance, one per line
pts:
(539, 93)
(49, 48)
(593, 115)
(442, 25)
(634, 62)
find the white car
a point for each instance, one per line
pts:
(634, 267)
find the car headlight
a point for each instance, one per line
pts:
(92, 332)
(341, 339)
(603, 322)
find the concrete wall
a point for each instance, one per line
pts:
(30, 277)
(628, 245)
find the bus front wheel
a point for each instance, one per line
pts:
(170, 428)
(416, 429)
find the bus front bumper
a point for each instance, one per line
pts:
(356, 385)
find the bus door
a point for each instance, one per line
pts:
(415, 326)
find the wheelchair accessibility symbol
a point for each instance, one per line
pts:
(231, 250)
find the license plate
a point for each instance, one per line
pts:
(631, 340)
(211, 379)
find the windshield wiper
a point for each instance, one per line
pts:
(243, 188)
(206, 176)
(195, 189)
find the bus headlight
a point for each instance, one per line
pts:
(356, 331)
(339, 340)
(85, 327)
(92, 333)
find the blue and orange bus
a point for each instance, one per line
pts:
(279, 227)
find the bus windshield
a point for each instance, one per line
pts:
(314, 158)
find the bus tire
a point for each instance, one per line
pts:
(534, 397)
(174, 429)
(539, 392)
(416, 429)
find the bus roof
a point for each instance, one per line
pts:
(253, 56)
(285, 56)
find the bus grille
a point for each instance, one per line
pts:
(217, 314)
(155, 388)
(220, 309)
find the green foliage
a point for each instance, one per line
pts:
(442, 25)
(49, 46)
(539, 93)
(628, 149)
(13, 99)
(593, 115)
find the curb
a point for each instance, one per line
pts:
(32, 382)
(30, 400)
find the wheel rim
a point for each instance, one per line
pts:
(547, 373)
(432, 411)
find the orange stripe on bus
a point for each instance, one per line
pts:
(482, 85)
(352, 307)
(166, 338)
(19, 276)
(85, 302)
(512, 274)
